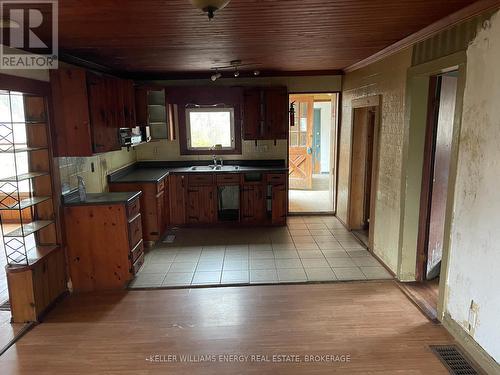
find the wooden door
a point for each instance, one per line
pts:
(177, 198)
(276, 113)
(201, 205)
(160, 211)
(435, 177)
(300, 152)
(253, 203)
(362, 154)
(71, 125)
(253, 114)
(103, 114)
(279, 204)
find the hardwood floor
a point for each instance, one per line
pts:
(110, 333)
(425, 295)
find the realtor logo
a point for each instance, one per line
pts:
(29, 34)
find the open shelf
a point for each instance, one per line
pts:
(30, 228)
(23, 149)
(23, 177)
(25, 203)
(34, 255)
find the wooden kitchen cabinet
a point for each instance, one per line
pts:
(201, 205)
(103, 114)
(104, 245)
(177, 199)
(152, 206)
(265, 113)
(279, 204)
(253, 203)
(32, 289)
(71, 115)
(88, 110)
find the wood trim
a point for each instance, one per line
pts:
(463, 14)
(427, 175)
(24, 85)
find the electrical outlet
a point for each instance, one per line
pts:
(473, 315)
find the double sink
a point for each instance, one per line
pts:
(208, 168)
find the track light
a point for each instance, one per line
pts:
(210, 6)
(256, 73)
(216, 76)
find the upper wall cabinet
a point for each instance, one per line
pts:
(88, 111)
(265, 113)
(154, 110)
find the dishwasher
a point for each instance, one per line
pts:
(228, 203)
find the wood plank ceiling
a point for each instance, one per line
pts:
(171, 37)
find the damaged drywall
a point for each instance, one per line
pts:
(474, 277)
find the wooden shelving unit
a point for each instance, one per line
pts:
(36, 270)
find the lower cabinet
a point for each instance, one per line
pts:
(279, 204)
(253, 203)
(177, 199)
(104, 245)
(201, 204)
(32, 289)
(154, 217)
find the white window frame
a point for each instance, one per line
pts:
(229, 110)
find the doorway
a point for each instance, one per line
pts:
(364, 151)
(312, 153)
(435, 175)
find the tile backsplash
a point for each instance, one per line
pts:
(94, 169)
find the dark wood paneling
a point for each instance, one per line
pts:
(291, 35)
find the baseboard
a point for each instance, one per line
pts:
(473, 349)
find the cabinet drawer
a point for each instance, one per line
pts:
(136, 266)
(133, 209)
(135, 231)
(200, 179)
(160, 186)
(276, 178)
(137, 251)
(233, 178)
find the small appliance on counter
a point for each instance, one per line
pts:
(133, 136)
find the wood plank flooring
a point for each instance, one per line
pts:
(114, 333)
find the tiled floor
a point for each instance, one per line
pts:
(308, 249)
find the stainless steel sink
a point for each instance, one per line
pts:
(227, 168)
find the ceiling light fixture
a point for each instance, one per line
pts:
(210, 6)
(216, 76)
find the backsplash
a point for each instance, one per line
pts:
(170, 150)
(93, 169)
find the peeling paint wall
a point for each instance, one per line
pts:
(475, 248)
(388, 79)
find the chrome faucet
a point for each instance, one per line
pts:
(214, 157)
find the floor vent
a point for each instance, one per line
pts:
(454, 360)
(5, 306)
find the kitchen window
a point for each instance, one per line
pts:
(210, 128)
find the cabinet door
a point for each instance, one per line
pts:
(71, 123)
(166, 206)
(128, 102)
(276, 113)
(141, 106)
(160, 211)
(252, 109)
(177, 198)
(253, 203)
(279, 204)
(201, 205)
(103, 114)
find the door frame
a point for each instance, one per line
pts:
(334, 149)
(368, 102)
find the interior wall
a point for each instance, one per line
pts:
(388, 79)
(475, 240)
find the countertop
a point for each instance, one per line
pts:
(144, 173)
(73, 199)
